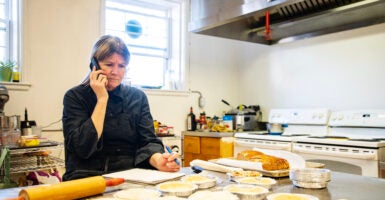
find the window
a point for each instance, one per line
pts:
(154, 33)
(9, 31)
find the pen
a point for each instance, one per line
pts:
(170, 151)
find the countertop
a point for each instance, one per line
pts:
(207, 134)
(342, 186)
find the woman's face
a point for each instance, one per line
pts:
(114, 67)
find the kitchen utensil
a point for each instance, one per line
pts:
(74, 189)
(251, 115)
(275, 128)
(26, 125)
(4, 97)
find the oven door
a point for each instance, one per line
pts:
(241, 144)
(366, 166)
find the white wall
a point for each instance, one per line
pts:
(337, 71)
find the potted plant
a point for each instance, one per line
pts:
(6, 69)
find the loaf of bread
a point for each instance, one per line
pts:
(268, 162)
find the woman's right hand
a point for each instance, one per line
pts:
(98, 82)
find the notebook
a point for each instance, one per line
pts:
(147, 176)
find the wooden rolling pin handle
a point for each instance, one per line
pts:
(114, 181)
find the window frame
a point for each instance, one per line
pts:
(14, 27)
(177, 52)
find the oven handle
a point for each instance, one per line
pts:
(259, 145)
(334, 153)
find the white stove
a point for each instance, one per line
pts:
(351, 141)
(298, 123)
(354, 143)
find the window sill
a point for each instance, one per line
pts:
(16, 86)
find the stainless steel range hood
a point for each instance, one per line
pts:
(289, 19)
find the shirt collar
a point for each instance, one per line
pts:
(117, 92)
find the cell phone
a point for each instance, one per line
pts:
(94, 62)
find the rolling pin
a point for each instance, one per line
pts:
(74, 189)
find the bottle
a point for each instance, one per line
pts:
(240, 119)
(203, 121)
(16, 74)
(191, 125)
(228, 122)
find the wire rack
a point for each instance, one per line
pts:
(28, 159)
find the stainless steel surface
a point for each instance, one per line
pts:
(289, 19)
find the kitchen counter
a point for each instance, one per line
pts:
(341, 186)
(207, 134)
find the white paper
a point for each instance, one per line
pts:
(240, 163)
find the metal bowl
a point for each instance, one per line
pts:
(247, 192)
(176, 188)
(314, 175)
(203, 182)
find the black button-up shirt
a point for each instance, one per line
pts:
(128, 139)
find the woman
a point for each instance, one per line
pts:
(107, 125)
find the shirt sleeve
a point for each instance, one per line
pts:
(80, 135)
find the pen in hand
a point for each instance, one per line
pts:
(170, 151)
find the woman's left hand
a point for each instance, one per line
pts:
(165, 162)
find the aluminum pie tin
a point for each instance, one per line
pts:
(310, 177)
(203, 182)
(315, 185)
(247, 192)
(206, 194)
(294, 196)
(176, 188)
(260, 181)
(237, 175)
(137, 194)
(313, 175)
